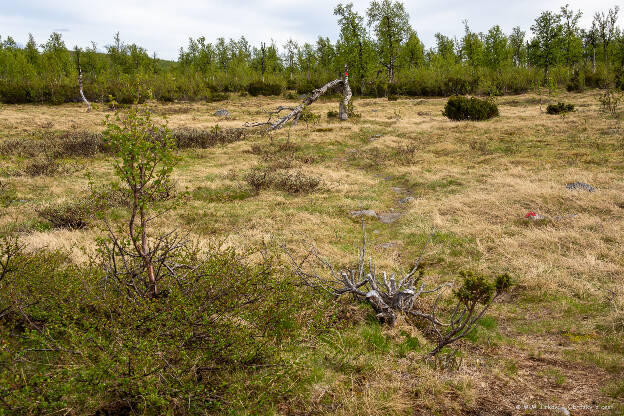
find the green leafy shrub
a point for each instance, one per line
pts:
(115, 354)
(264, 88)
(460, 85)
(577, 82)
(597, 79)
(559, 108)
(216, 96)
(306, 87)
(308, 117)
(463, 108)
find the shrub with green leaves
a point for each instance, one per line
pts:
(264, 88)
(71, 340)
(144, 161)
(474, 109)
(559, 108)
(473, 299)
(308, 117)
(610, 100)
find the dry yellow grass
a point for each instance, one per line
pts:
(472, 184)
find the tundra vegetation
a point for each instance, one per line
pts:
(158, 258)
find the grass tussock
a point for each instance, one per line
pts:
(55, 145)
(292, 182)
(282, 154)
(187, 137)
(42, 166)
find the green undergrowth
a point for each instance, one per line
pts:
(73, 339)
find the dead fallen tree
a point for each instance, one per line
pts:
(294, 113)
(390, 297)
(387, 296)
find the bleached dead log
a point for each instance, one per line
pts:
(387, 296)
(84, 99)
(295, 112)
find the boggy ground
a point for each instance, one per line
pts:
(556, 339)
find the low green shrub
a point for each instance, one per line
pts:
(308, 117)
(559, 108)
(215, 96)
(577, 82)
(264, 88)
(306, 87)
(73, 339)
(463, 108)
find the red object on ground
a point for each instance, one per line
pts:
(530, 214)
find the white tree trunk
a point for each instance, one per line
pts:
(84, 99)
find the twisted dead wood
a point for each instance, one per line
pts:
(295, 112)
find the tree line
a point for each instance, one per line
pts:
(383, 51)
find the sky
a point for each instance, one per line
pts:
(163, 26)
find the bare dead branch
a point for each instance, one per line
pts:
(295, 112)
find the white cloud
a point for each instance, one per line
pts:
(165, 26)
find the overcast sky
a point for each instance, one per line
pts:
(163, 26)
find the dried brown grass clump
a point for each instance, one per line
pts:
(402, 155)
(42, 166)
(72, 215)
(56, 145)
(187, 138)
(77, 214)
(281, 180)
(87, 144)
(282, 155)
